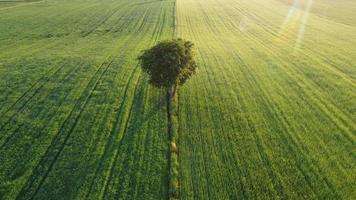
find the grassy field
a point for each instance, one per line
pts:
(78, 119)
(8, 4)
(271, 113)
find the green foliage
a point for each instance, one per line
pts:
(169, 63)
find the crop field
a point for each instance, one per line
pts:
(270, 114)
(7, 4)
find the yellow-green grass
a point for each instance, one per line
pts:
(271, 113)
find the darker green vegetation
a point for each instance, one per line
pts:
(77, 120)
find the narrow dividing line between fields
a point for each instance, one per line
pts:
(172, 123)
(172, 127)
(25, 4)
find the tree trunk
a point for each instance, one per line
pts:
(172, 91)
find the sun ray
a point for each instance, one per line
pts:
(303, 24)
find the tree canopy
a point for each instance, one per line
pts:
(169, 63)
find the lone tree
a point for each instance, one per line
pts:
(169, 64)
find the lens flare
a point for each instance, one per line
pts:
(304, 22)
(294, 24)
(291, 12)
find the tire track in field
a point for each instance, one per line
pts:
(121, 22)
(299, 140)
(77, 23)
(23, 106)
(273, 49)
(223, 129)
(63, 134)
(52, 44)
(46, 79)
(37, 134)
(259, 143)
(218, 40)
(32, 54)
(126, 23)
(47, 172)
(206, 162)
(109, 147)
(256, 83)
(192, 172)
(113, 137)
(121, 129)
(33, 178)
(1, 126)
(145, 92)
(40, 25)
(306, 55)
(297, 150)
(116, 153)
(124, 127)
(116, 133)
(125, 177)
(304, 103)
(277, 185)
(269, 105)
(294, 142)
(56, 69)
(320, 100)
(296, 75)
(263, 155)
(53, 115)
(66, 78)
(102, 21)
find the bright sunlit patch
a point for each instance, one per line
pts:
(291, 12)
(295, 22)
(304, 22)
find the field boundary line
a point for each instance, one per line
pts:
(21, 5)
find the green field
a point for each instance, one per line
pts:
(271, 113)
